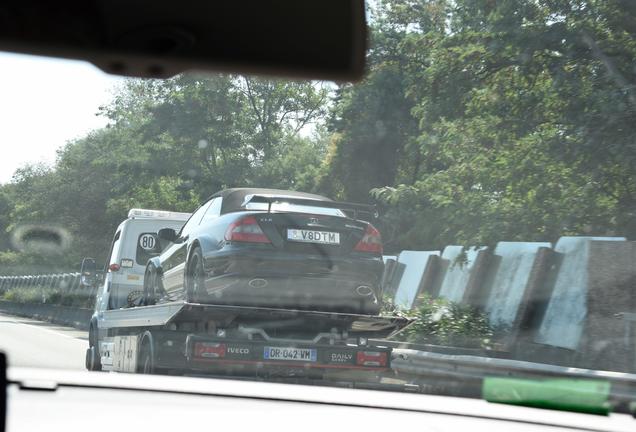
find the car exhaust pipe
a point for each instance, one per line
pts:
(364, 291)
(257, 283)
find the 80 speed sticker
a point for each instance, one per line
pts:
(147, 241)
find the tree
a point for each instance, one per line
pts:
(374, 131)
(169, 145)
(525, 121)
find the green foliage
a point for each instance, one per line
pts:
(441, 322)
(526, 117)
(375, 131)
(37, 295)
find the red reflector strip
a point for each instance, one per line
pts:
(209, 350)
(371, 358)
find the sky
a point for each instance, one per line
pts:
(44, 103)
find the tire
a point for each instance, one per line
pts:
(195, 276)
(150, 286)
(146, 361)
(93, 360)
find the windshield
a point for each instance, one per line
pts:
(496, 140)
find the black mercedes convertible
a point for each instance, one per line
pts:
(271, 248)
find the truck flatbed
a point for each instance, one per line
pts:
(268, 319)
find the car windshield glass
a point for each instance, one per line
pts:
(495, 140)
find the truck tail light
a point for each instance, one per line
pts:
(371, 241)
(371, 358)
(114, 267)
(209, 350)
(246, 229)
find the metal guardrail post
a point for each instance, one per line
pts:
(76, 282)
(40, 284)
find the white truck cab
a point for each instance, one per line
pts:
(134, 243)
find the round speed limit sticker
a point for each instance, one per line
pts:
(147, 241)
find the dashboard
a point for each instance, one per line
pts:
(90, 401)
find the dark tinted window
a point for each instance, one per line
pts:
(147, 247)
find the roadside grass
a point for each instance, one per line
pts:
(37, 295)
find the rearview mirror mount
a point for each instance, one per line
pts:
(322, 39)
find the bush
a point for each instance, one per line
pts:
(53, 296)
(23, 295)
(442, 322)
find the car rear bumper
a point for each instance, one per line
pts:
(286, 281)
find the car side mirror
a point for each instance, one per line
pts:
(88, 272)
(167, 234)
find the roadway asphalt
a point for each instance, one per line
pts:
(30, 343)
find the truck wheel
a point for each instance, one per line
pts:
(146, 362)
(93, 361)
(195, 280)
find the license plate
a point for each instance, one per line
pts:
(310, 236)
(291, 354)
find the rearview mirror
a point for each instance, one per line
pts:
(167, 234)
(319, 39)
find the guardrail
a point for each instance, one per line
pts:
(58, 288)
(429, 369)
(60, 298)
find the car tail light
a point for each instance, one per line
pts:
(371, 241)
(114, 267)
(209, 350)
(246, 230)
(371, 358)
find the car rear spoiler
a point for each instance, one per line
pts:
(344, 206)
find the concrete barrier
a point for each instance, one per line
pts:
(455, 273)
(573, 304)
(507, 280)
(64, 315)
(564, 319)
(412, 266)
(608, 335)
